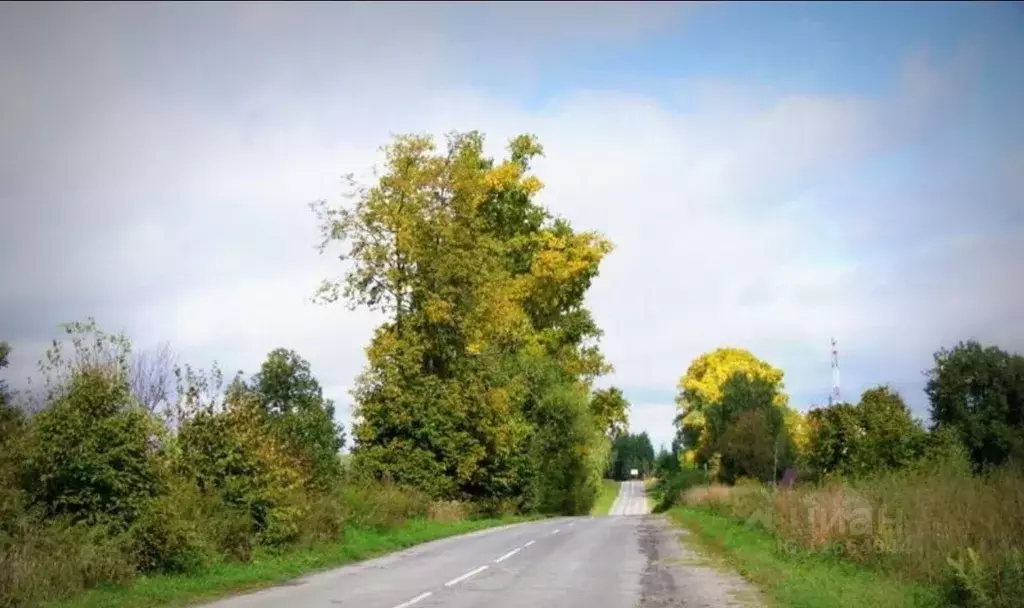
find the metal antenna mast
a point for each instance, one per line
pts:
(834, 397)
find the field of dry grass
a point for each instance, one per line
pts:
(934, 526)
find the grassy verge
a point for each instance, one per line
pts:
(264, 571)
(798, 579)
(605, 500)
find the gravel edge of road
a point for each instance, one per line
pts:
(679, 575)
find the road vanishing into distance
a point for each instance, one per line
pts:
(632, 500)
(628, 559)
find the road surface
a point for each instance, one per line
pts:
(632, 499)
(627, 560)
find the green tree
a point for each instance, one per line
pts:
(228, 450)
(748, 446)
(748, 429)
(878, 433)
(12, 431)
(94, 451)
(739, 394)
(5, 352)
(666, 463)
(611, 411)
(631, 451)
(482, 288)
(979, 392)
(700, 394)
(293, 401)
(892, 438)
(565, 434)
(834, 437)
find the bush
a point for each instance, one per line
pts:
(448, 510)
(382, 505)
(92, 454)
(324, 520)
(977, 585)
(669, 492)
(166, 538)
(232, 531)
(12, 458)
(282, 526)
(233, 454)
(499, 507)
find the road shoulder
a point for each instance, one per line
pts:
(677, 574)
(791, 577)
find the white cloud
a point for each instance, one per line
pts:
(170, 197)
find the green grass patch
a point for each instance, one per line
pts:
(266, 570)
(792, 579)
(605, 500)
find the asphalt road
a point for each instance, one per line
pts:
(632, 500)
(623, 561)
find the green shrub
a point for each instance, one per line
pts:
(448, 511)
(282, 527)
(12, 458)
(324, 520)
(92, 454)
(231, 452)
(977, 585)
(669, 491)
(497, 507)
(382, 505)
(165, 538)
(232, 532)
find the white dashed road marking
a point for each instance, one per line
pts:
(458, 580)
(418, 598)
(507, 555)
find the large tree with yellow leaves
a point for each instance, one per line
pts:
(479, 378)
(718, 387)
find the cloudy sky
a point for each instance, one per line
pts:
(771, 174)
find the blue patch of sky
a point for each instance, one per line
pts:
(829, 48)
(639, 395)
(850, 48)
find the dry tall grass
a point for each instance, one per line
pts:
(919, 524)
(448, 510)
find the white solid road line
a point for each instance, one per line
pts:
(458, 580)
(556, 531)
(529, 543)
(418, 598)
(507, 555)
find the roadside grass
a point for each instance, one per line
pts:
(605, 500)
(266, 570)
(799, 579)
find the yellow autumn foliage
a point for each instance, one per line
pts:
(487, 328)
(701, 388)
